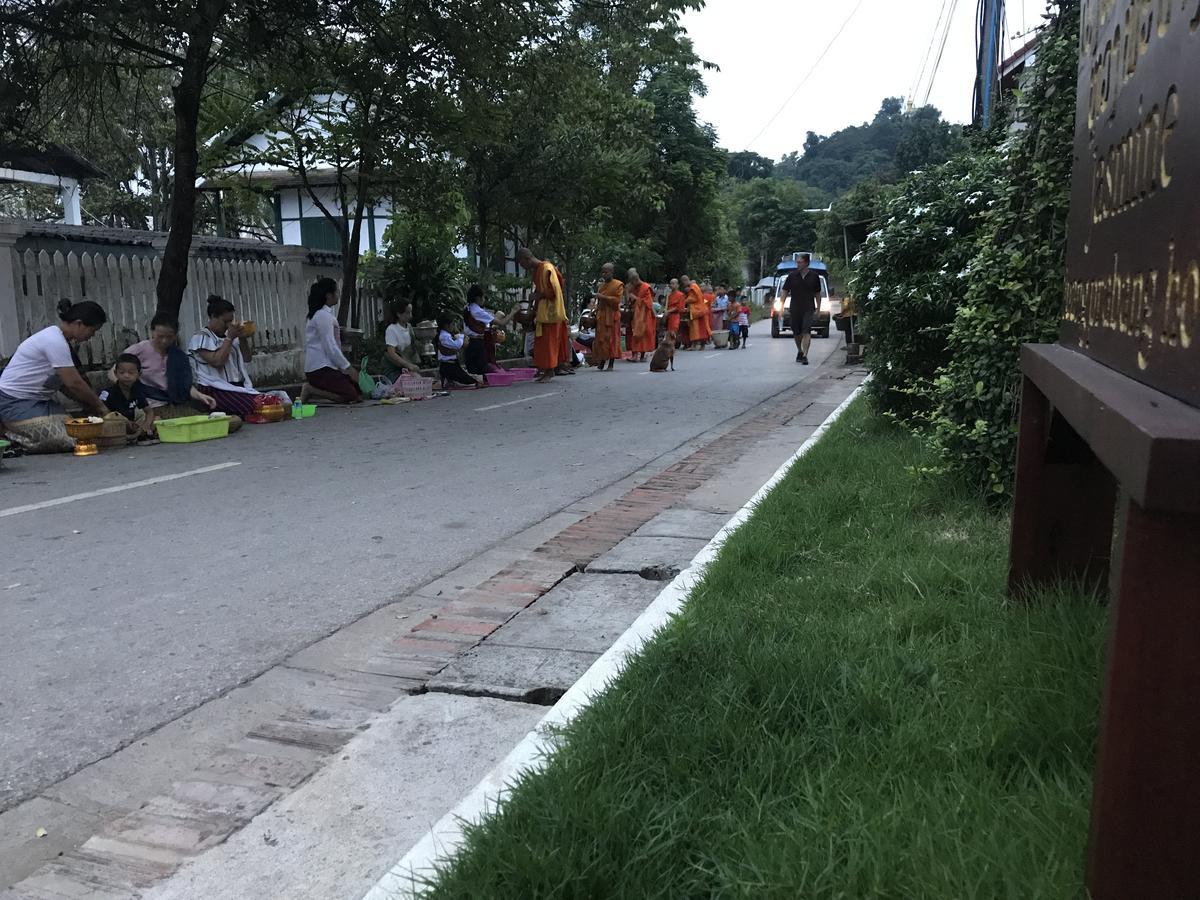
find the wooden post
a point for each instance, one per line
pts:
(1145, 831)
(1063, 509)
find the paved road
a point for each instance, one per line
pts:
(121, 611)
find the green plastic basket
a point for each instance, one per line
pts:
(190, 429)
(308, 410)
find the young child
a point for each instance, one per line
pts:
(449, 345)
(126, 398)
(743, 320)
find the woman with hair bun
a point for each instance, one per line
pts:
(219, 353)
(44, 363)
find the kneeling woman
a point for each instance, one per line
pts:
(219, 355)
(448, 348)
(43, 363)
(328, 375)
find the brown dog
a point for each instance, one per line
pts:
(664, 356)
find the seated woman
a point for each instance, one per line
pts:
(448, 348)
(328, 375)
(167, 380)
(401, 355)
(479, 326)
(219, 354)
(43, 363)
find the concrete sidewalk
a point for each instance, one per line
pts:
(379, 729)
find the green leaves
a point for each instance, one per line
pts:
(967, 266)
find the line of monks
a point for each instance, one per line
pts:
(688, 304)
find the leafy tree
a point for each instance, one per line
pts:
(745, 165)
(886, 148)
(769, 217)
(87, 46)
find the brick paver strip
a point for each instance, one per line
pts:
(108, 866)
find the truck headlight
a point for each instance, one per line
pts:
(825, 305)
(778, 306)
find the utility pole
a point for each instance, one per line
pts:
(989, 59)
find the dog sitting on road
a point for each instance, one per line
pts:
(664, 356)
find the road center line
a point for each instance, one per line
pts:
(45, 504)
(518, 402)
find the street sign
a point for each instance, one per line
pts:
(1133, 253)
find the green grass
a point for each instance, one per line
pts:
(848, 707)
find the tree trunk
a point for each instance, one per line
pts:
(172, 280)
(481, 221)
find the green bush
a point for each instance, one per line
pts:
(1015, 286)
(911, 275)
(420, 266)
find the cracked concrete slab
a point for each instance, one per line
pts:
(337, 834)
(642, 554)
(683, 523)
(526, 674)
(585, 612)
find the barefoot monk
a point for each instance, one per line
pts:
(550, 336)
(645, 323)
(607, 346)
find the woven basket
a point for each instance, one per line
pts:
(416, 387)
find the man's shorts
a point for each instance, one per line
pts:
(807, 316)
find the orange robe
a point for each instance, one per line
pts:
(645, 324)
(676, 304)
(551, 337)
(608, 321)
(700, 328)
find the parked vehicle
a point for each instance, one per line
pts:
(781, 313)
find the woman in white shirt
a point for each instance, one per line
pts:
(328, 375)
(42, 364)
(219, 354)
(479, 326)
(400, 351)
(449, 346)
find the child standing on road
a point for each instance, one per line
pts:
(126, 397)
(743, 321)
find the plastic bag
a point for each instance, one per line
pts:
(366, 383)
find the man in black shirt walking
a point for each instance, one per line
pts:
(804, 287)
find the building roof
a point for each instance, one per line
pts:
(1021, 57)
(53, 159)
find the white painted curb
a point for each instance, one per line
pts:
(444, 839)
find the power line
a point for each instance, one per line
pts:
(916, 85)
(807, 75)
(941, 51)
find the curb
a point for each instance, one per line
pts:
(443, 840)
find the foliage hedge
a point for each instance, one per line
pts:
(911, 274)
(1011, 289)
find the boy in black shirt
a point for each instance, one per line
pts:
(126, 398)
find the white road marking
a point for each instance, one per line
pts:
(518, 402)
(46, 504)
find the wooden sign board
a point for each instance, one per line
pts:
(1133, 255)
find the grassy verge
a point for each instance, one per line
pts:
(848, 707)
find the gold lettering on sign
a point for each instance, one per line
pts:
(1141, 24)
(1138, 165)
(1126, 303)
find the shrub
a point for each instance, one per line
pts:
(1015, 286)
(910, 276)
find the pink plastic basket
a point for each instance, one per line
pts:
(523, 374)
(500, 379)
(416, 387)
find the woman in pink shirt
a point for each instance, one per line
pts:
(167, 372)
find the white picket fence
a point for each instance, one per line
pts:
(266, 291)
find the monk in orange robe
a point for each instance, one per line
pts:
(551, 337)
(607, 346)
(700, 329)
(710, 299)
(645, 323)
(676, 304)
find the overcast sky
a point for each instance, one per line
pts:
(766, 47)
